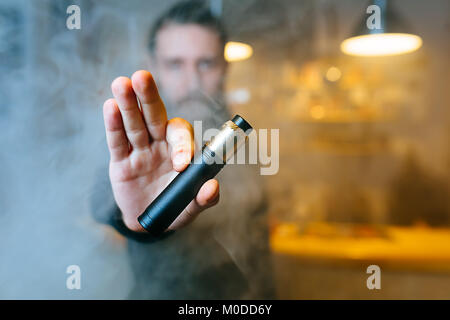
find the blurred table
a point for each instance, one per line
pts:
(411, 248)
(329, 261)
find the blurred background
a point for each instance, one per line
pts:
(364, 174)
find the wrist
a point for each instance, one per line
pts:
(132, 231)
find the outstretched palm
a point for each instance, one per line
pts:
(147, 150)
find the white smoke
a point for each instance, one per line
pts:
(53, 82)
(53, 147)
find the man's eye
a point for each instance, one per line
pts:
(174, 65)
(205, 65)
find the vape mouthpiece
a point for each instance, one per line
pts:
(207, 163)
(241, 123)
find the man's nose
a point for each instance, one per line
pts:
(194, 79)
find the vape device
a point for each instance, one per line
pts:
(207, 163)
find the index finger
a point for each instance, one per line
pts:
(153, 108)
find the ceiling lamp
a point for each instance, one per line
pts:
(237, 51)
(390, 37)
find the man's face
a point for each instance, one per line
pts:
(189, 60)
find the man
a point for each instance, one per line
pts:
(221, 255)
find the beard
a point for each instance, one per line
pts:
(197, 106)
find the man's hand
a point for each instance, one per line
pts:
(147, 150)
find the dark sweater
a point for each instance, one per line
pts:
(185, 264)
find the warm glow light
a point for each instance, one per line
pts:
(236, 51)
(382, 44)
(317, 112)
(333, 74)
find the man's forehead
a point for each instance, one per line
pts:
(188, 41)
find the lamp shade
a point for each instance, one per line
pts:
(392, 36)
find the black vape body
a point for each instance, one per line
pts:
(158, 216)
